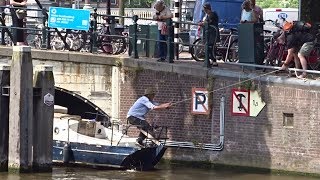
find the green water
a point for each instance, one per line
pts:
(162, 172)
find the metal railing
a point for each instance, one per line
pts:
(99, 40)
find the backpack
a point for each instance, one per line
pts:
(301, 26)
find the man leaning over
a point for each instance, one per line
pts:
(137, 112)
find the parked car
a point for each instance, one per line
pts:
(278, 15)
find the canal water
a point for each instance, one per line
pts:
(161, 173)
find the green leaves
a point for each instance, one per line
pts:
(278, 3)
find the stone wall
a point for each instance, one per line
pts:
(264, 141)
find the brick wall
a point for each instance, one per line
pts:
(261, 141)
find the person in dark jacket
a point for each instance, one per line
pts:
(18, 34)
(300, 42)
(213, 32)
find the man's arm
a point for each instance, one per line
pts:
(162, 106)
(14, 3)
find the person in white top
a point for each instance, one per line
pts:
(137, 112)
(162, 14)
(247, 14)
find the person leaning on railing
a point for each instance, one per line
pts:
(18, 16)
(300, 42)
(162, 14)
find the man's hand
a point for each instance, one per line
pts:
(167, 105)
(23, 3)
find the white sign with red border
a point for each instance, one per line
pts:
(199, 103)
(240, 102)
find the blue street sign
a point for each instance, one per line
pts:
(67, 18)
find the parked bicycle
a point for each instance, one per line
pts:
(275, 47)
(226, 49)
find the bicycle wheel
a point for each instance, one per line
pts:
(198, 50)
(56, 43)
(120, 45)
(78, 42)
(107, 46)
(232, 51)
(34, 41)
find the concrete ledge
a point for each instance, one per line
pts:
(151, 64)
(188, 69)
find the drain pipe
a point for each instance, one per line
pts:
(211, 147)
(219, 147)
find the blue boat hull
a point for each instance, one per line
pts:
(109, 156)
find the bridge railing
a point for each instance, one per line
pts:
(103, 36)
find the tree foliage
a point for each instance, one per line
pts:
(278, 3)
(141, 3)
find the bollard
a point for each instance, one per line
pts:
(4, 114)
(44, 44)
(206, 59)
(43, 113)
(20, 110)
(94, 48)
(135, 37)
(170, 44)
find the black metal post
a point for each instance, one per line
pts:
(94, 48)
(3, 42)
(44, 44)
(135, 37)
(206, 40)
(108, 10)
(170, 44)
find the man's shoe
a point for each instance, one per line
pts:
(161, 60)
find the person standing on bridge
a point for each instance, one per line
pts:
(18, 16)
(137, 112)
(257, 11)
(212, 20)
(162, 14)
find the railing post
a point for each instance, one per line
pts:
(170, 44)
(206, 32)
(3, 42)
(94, 48)
(135, 37)
(44, 44)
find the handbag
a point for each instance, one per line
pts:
(164, 29)
(21, 13)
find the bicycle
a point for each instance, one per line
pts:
(275, 47)
(226, 48)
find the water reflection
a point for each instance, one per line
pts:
(162, 173)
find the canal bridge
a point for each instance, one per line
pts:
(282, 136)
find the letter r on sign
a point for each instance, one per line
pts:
(200, 99)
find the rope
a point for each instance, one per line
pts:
(228, 86)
